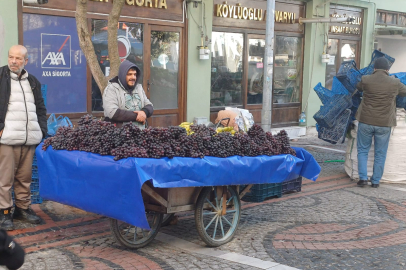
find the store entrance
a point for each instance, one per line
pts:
(340, 50)
(162, 80)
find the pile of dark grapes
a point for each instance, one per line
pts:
(105, 138)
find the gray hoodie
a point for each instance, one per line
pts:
(113, 96)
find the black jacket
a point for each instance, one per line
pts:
(5, 91)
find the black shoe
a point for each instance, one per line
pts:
(375, 185)
(26, 215)
(6, 220)
(362, 183)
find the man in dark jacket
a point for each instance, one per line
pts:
(376, 115)
(23, 125)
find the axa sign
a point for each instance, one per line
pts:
(55, 51)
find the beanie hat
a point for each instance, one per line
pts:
(381, 63)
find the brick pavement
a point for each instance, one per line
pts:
(331, 224)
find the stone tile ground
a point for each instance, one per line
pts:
(330, 224)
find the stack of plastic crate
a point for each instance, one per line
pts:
(375, 55)
(294, 185)
(35, 197)
(260, 192)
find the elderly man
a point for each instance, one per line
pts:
(124, 99)
(23, 124)
(376, 115)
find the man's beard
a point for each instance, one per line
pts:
(18, 72)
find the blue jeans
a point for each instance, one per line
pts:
(364, 140)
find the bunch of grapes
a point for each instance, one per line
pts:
(105, 138)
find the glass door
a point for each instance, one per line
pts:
(163, 81)
(340, 50)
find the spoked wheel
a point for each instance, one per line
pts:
(217, 214)
(135, 237)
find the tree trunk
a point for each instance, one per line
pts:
(114, 16)
(85, 41)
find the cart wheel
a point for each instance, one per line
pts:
(215, 227)
(135, 237)
(167, 219)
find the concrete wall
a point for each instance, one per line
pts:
(8, 28)
(198, 71)
(396, 48)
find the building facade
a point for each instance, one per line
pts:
(198, 57)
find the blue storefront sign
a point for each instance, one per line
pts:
(57, 61)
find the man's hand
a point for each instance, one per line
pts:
(1, 132)
(141, 116)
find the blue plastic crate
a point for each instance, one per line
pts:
(34, 173)
(260, 192)
(338, 88)
(36, 198)
(292, 185)
(375, 55)
(327, 115)
(346, 66)
(337, 132)
(350, 80)
(323, 93)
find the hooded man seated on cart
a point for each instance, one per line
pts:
(124, 99)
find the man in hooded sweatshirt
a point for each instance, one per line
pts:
(124, 99)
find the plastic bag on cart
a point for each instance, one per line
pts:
(54, 123)
(244, 118)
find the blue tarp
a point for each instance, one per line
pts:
(111, 188)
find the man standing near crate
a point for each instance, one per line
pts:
(23, 125)
(376, 116)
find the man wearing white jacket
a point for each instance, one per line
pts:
(23, 124)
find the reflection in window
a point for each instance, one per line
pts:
(332, 49)
(287, 69)
(255, 71)
(380, 17)
(130, 47)
(391, 18)
(226, 69)
(402, 20)
(164, 69)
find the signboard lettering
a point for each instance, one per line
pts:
(253, 14)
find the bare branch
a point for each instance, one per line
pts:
(114, 16)
(86, 44)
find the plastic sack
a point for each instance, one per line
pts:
(54, 123)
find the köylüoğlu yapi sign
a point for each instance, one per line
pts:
(341, 29)
(142, 3)
(253, 14)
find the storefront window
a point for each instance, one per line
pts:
(164, 69)
(391, 18)
(380, 17)
(130, 47)
(331, 71)
(255, 70)
(348, 51)
(226, 69)
(287, 69)
(402, 20)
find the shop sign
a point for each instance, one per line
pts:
(346, 29)
(253, 14)
(142, 3)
